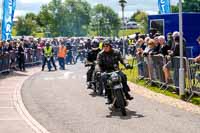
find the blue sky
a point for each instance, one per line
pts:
(150, 6)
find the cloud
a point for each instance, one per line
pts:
(34, 1)
(150, 6)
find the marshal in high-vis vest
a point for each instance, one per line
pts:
(48, 57)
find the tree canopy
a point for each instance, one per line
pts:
(188, 6)
(70, 18)
(105, 21)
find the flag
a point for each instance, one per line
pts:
(7, 21)
(164, 6)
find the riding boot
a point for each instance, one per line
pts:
(128, 96)
(109, 94)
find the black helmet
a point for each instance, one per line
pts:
(107, 42)
(95, 43)
(47, 43)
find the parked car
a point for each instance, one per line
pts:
(132, 25)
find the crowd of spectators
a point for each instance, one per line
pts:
(29, 50)
(148, 45)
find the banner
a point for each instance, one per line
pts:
(7, 21)
(164, 6)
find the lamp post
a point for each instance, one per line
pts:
(181, 70)
(70, 9)
(100, 17)
(122, 4)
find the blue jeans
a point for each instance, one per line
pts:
(61, 63)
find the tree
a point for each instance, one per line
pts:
(26, 25)
(141, 18)
(174, 9)
(188, 6)
(79, 16)
(68, 18)
(105, 21)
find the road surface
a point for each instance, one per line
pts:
(61, 103)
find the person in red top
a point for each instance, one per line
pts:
(62, 51)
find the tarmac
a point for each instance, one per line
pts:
(14, 118)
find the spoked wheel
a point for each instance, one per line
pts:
(120, 101)
(99, 89)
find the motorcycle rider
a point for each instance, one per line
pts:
(48, 53)
(107, 61)
(91, 58)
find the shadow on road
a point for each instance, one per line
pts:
(130, 114)
(11, 74)
(94, 94)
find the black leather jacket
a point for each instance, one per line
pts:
(92, 55)
(108, 62)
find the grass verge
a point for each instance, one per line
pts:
(132, 76)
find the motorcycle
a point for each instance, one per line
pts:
(96, 80)
(114, 82)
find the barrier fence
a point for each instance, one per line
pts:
(164, 72)
(4, 63)
(9, 61)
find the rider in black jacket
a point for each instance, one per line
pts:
(108, 61)
(91, 58)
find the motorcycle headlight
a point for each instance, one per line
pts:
(115, 77)
(98, 74)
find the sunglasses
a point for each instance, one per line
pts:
(107, 46)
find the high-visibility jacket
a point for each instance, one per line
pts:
(101, 45)
(48, 52)
(62, 52)
(130, 42)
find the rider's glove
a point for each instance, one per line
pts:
(128, 66)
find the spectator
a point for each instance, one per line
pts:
(175, 51)
(21, 56)
(149, 49)
(140, 46)
(150, 46)
(198, 39)
(197, 59)
(169, 40)
(157, 46)
(61, 55)
(6, 46)
(163, 46)
(172, 53)
(1, 48)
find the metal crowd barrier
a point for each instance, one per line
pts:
(9, 60)
(142, 67)
(174, 70)
(157, 63)
(33, 57)
(150, 68)
(4, 63)
(194, 71)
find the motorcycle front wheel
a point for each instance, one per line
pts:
(120, 101)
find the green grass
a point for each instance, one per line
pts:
(195, 100)
(130, 32)
(132, 76)
(39, 35)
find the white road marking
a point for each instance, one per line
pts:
(61, 77)
(49, 78)
(67, 74)
(74, 77)
(6, 107)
